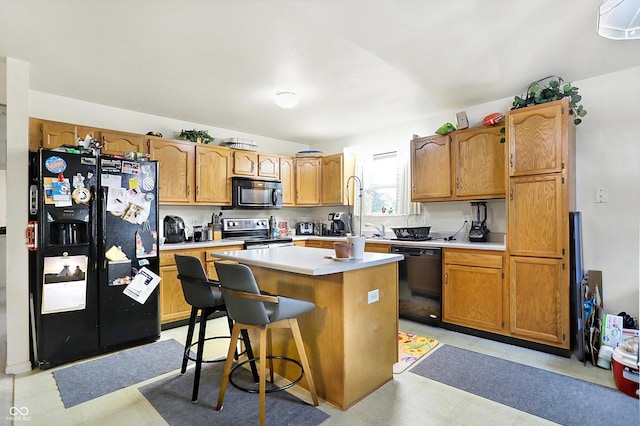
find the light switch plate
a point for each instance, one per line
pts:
(373, 296)
(601, 195)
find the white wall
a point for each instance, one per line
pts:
(17, 182)
(607, 156)
(58, 108)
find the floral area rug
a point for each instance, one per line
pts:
(411, 348)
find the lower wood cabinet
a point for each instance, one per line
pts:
(173, 306)
(539, 308)
(472, 291)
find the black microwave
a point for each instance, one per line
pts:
(251, 193)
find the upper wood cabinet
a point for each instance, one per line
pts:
(213, 174)
(176, 162)
(537, 216)
(336, 169)
(535, 137)
(117, 143)
(287, 176)
(479, 163)
(53, 134)
(431, 168)
(463, 165)
(308, 181)
(249, 163)
(245, 163)
(268, 166)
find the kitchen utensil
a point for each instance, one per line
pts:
(479, 232)
(417, 233)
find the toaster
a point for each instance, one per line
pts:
(304, 228)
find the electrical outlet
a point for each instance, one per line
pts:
(373, 296)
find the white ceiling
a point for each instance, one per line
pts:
(359, 65)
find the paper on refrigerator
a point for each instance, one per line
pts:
(142, 285)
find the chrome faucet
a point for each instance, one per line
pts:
(380, 230)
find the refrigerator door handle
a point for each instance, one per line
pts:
(93, 202)
(103, 217)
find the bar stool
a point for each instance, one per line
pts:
(250, 309)
(205, 297)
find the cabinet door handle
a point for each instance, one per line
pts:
(188, 190)
(511, 193)
(446, 278)
(511, 160)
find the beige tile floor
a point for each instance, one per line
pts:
(407, 400)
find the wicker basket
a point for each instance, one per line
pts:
(416, 233)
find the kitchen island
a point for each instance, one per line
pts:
(351, 336)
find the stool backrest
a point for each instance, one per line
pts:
(243, 310)
(198, 290)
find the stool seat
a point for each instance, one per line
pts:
(252, 310)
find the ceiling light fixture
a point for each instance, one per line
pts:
(619, 19)
(286, 99)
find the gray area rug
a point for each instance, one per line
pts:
(92, 379)
(171, 397)
(552, 396)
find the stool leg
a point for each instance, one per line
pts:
(263, 362)
(204, 313)
(227, 365)
(247, 345)
(270, 352)
(297, 337)
(192, 326)
(252, 364)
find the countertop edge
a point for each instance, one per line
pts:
(310, 261)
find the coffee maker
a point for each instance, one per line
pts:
(339, 223)
(479, 232)
(174, 229)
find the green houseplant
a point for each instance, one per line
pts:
(551, 89)
(554, 90)
(196, 136)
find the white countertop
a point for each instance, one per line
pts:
(501, 246)
(305, 260)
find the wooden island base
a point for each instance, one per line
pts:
(351, 344)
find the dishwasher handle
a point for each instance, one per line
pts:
(417, 251)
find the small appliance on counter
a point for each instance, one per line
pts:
(304, 228)
(174, 229)
(479, 232)
(340, 224)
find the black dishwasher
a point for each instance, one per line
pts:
(420, 283)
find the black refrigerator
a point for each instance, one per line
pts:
(95, 220)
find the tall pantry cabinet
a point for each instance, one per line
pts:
(541, 193)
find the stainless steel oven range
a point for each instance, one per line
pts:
(254, 233)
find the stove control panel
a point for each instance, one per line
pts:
(245, 224)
